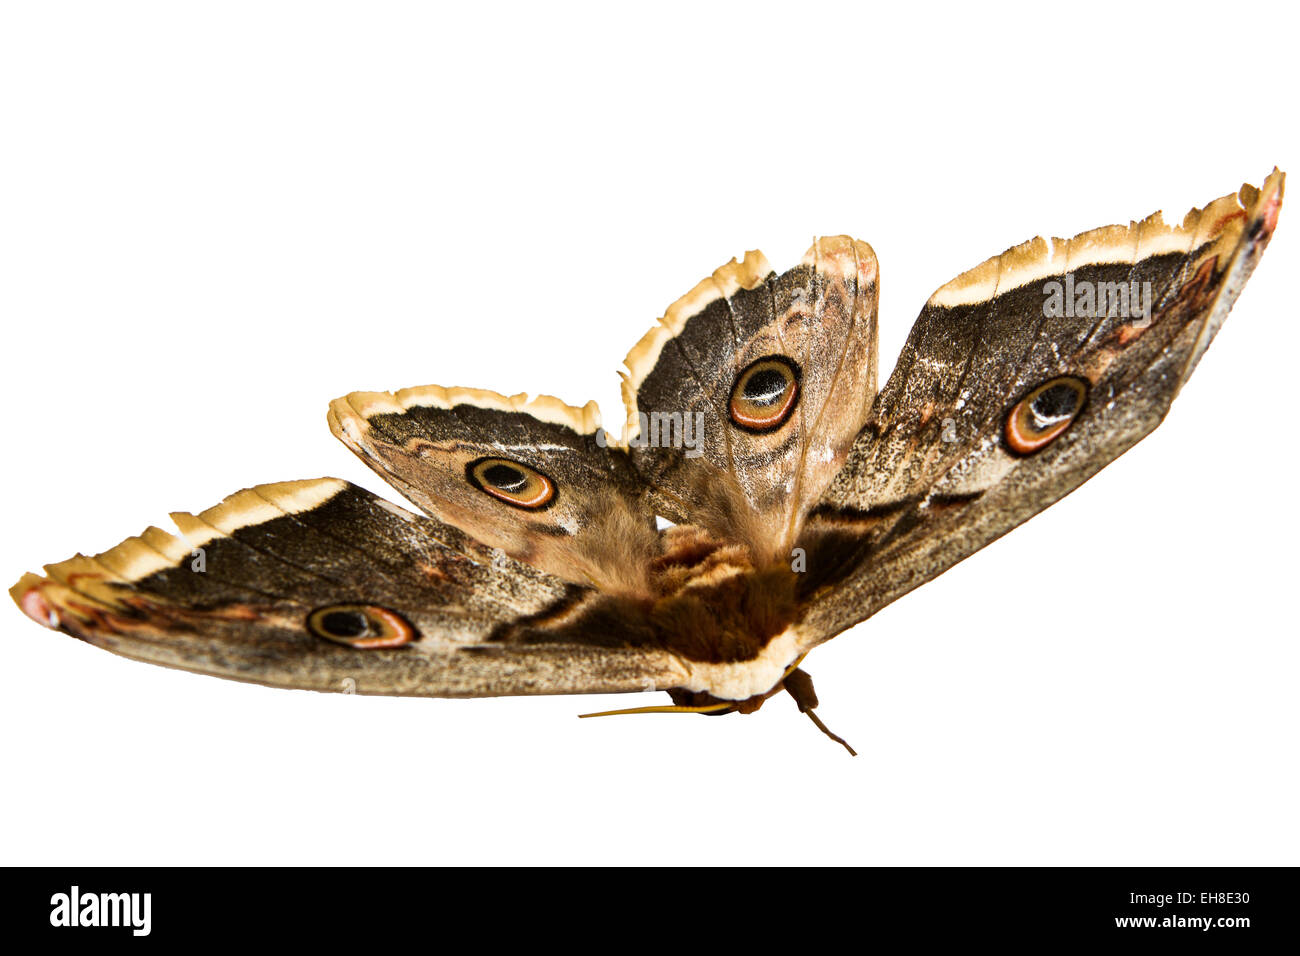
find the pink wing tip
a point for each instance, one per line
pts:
(37, 608)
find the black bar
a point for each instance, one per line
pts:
(1226, 907)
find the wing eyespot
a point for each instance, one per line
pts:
(1045, 413)
(765, 394)
(512, 482)
(363, 626)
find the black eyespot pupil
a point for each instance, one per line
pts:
(345, 624)
(1054, 404)
(765, 387)
(505, 478)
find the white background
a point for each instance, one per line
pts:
(218, 217)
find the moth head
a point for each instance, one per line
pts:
(511, 482)
(765, 394)
(362, 626)
(1045, 413)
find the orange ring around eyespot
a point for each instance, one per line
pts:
(1023, 441)
(397, 631)
(543, 497)
(778, 417)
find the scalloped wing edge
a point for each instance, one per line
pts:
(1040, 258)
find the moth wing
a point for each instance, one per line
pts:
(531, 478)
(999, 406)
(803, 345)
(324, 586)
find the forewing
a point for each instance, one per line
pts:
(999, 406)
(247, 590)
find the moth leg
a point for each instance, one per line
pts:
(799, 685)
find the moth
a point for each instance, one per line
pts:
(763, 497)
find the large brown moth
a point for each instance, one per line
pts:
(798, 500)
